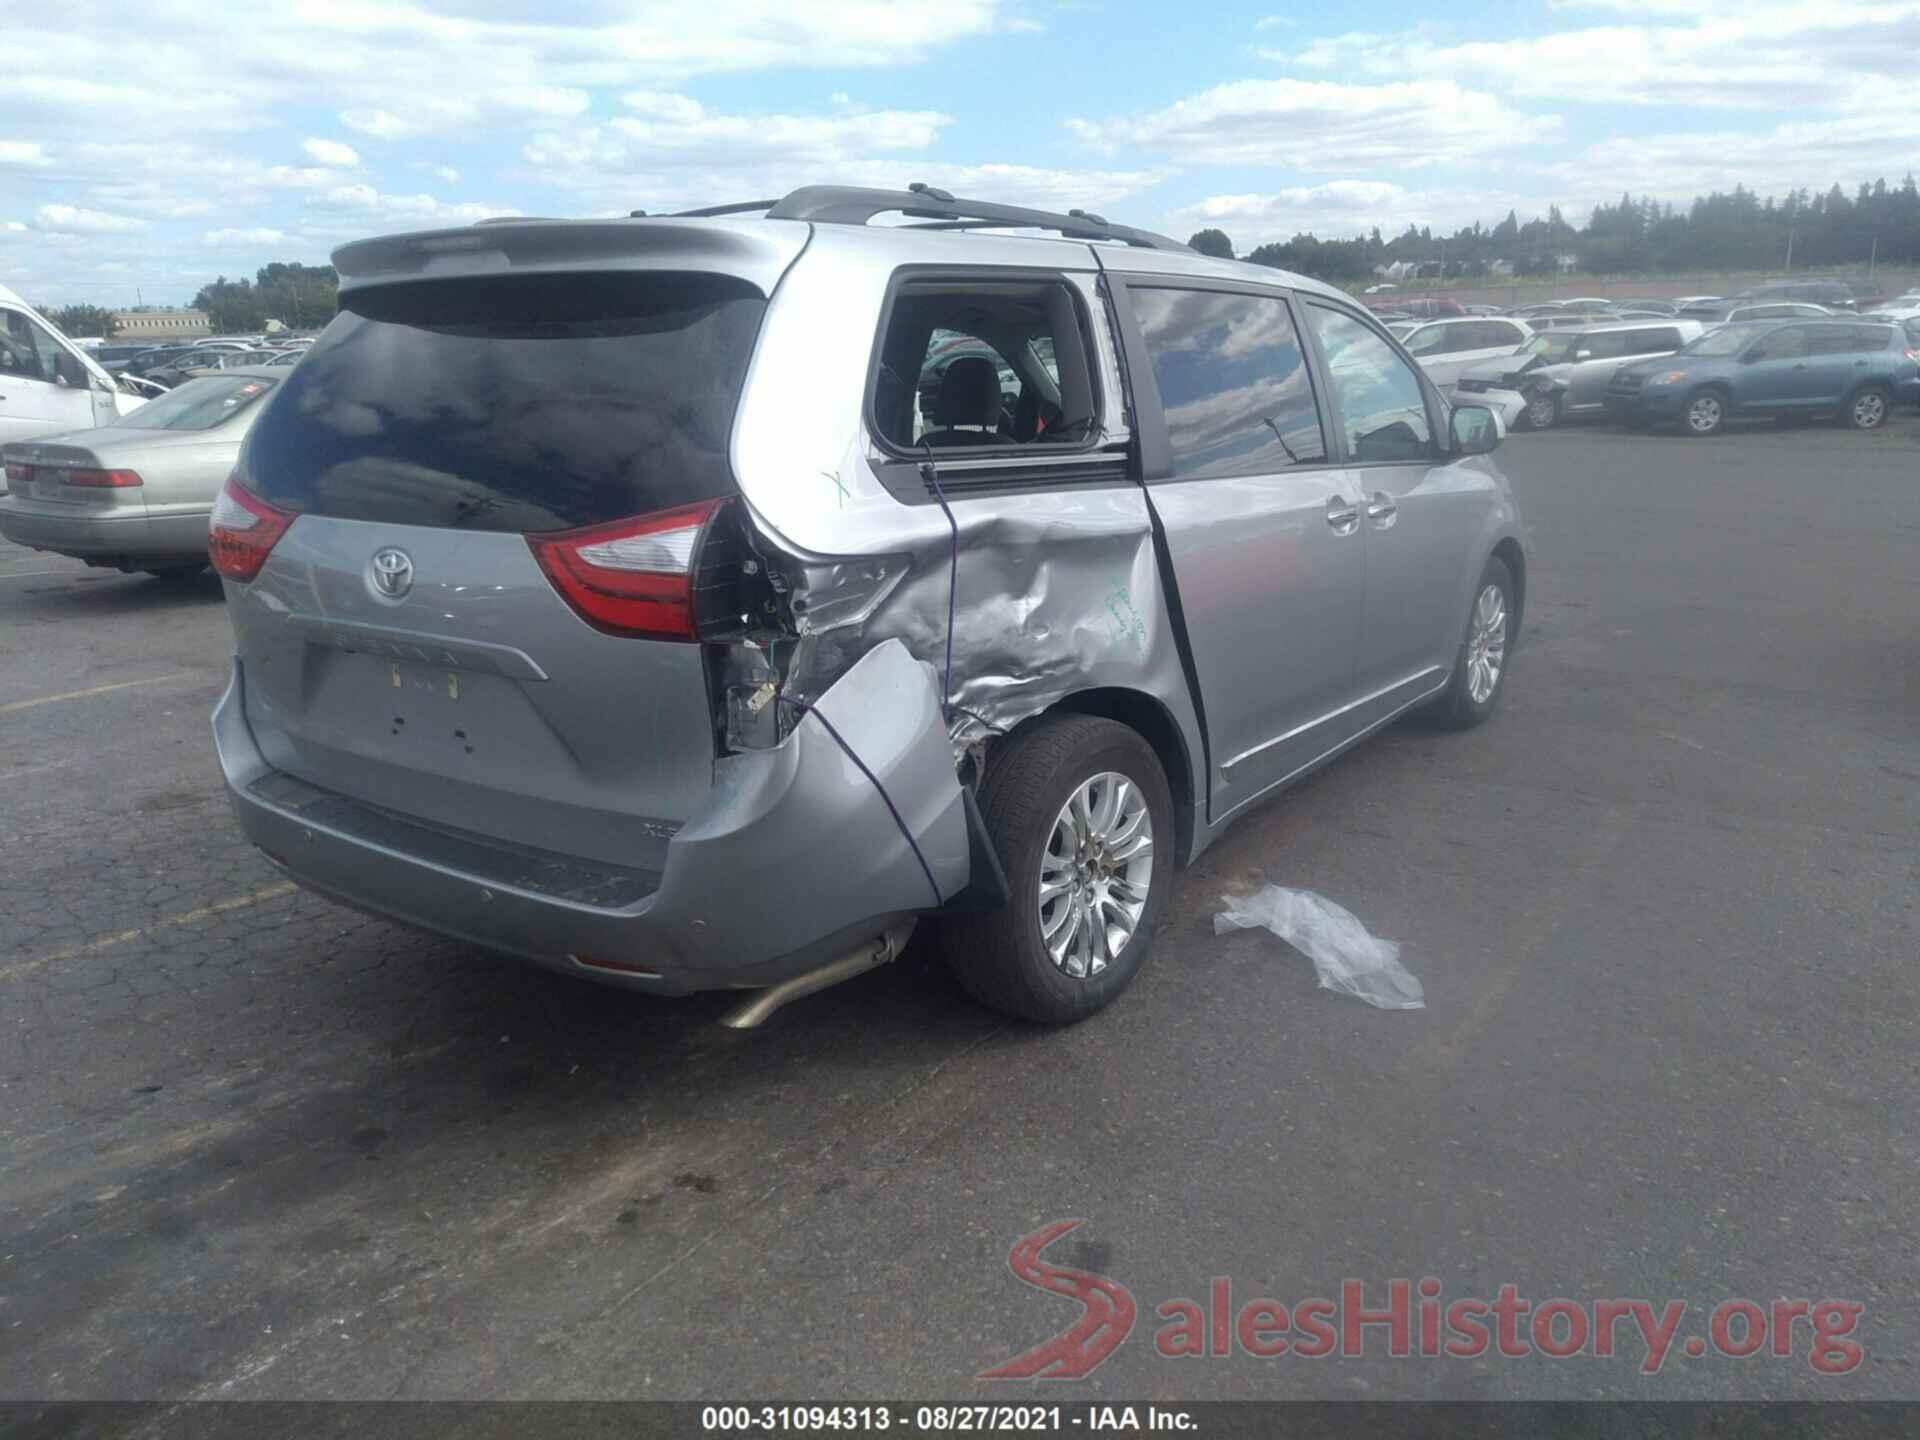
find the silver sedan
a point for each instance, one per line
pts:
(135, 494)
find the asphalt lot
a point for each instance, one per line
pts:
(1663, 906)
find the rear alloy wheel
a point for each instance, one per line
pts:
(1706, 413)
(1081, 817)
(1543, 411)
(1868, 408)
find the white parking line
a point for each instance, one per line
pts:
(24, 574)
(15, 705)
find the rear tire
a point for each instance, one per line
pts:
(1486, 651)
(1867, 408)
(1073, 882)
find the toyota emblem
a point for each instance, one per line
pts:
(391, 573)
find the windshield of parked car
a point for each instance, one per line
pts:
(1728, 340)
(197, 405)
(1554, 347)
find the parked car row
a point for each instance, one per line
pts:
(168, 365)
(1800, 297)
(1698, 379)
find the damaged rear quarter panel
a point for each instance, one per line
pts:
(1058, 591)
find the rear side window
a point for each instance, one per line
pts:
(989, 365)
(518, 403)
(1233, 382)
(1870, 337)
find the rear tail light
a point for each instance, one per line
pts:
(101, 479)
(242, 531)
(632, 577)
(18, 474)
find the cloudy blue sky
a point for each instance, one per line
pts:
(154, 146)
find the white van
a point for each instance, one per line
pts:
(48, 383)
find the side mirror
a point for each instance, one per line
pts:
(1476, 430)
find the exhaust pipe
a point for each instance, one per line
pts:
(755, 1012)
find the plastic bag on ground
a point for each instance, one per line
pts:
(1348, 959)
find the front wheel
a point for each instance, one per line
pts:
(1080, 813)
(1867, 408)
(1706, 413)
(1480, 667)
(1542, 412)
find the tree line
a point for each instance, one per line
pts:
(301, 297)
(1732, 231)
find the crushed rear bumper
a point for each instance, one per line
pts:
(795, 858)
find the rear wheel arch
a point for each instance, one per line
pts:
(1149, 718)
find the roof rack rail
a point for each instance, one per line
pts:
(708, 212)
(850, 205)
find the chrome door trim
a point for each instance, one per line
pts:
(1343, 746)
(1300, 730)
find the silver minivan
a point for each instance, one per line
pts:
(627, 595)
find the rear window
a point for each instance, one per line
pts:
(197, 405)
(519, 403)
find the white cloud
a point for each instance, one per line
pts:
(409, 211)
(259, 235)
(669, 150)
(331, 152)
(1339, 209)
(446, 174)
(73, 220)
(1812, 154)
(1323, 125)
(1761, 56)
(13, 227)
(24, 153)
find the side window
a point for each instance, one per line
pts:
(1378, 397)
(1787, 343)
(1606, 345)
(1656, 341)
(27, 350)
(1499, 332)
(1233, 382)
(984, 365)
